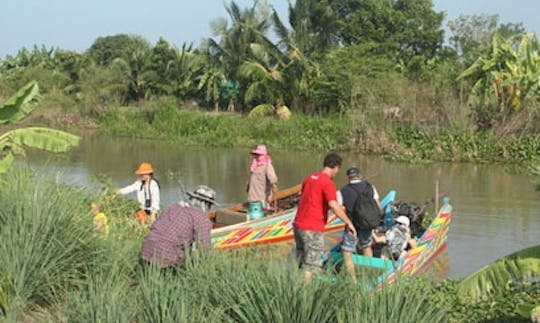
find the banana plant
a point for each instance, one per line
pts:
(495, 277)
(13, 142)
(508, 75)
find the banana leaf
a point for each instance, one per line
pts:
(20, 104)
(283, 112)
(498, 275)
(525, 310)
(5, 162)
(262, 110)
(41, 138)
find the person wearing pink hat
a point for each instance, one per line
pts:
(262, 185)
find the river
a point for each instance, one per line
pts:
(495, 213)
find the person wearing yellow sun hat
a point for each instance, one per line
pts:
(147, 189)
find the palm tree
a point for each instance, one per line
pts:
(12, 142)
(267, 87)
(234, 45)
(139, 80)
(314, 26)
(181, 70)
(293, 55)
(212, 80)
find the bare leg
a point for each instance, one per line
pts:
(307, 278)
(347, 258)
(367, 251)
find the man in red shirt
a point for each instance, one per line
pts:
(318, 197)
(182, 226)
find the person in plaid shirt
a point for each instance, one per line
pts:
(180, 227)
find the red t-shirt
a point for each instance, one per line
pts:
(318, 190)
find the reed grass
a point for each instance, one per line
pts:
(58, 270)
(46, 242)
(195, 128)
(368, 131)
(102, 296)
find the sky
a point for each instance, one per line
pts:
(75, 25)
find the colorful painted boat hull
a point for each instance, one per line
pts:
(285, 201)
(281, 230)
(430, 245)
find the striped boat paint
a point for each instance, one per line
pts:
(281, 230)
(430, 245)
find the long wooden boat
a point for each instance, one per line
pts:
(281, 230)
(430, 244)
(236, 216)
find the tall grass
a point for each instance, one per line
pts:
(190, 127)
(102, 296)
(58, 270)
(367, 131)
(46, 243)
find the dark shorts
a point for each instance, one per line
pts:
(309, 249)
(349, 241)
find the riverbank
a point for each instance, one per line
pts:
(396, 139)
(401, 136)
(57, 269)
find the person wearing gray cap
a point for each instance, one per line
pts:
(357, 192)
(180, 227)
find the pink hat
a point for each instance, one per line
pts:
(260, 150)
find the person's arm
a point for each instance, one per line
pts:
(378, 238)
(412, 242)
(98, 225)
(129, 189)
(272, 177)
(154, 191)
(341, 214)
(203, 227)
(376, 197)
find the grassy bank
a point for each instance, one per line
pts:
(56, 268)
(400, 140)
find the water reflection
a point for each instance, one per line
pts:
(495, 213)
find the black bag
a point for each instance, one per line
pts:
(414, 212)
(366, 214)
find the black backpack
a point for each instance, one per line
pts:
(366, 213)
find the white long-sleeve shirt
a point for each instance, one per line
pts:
(144, 192)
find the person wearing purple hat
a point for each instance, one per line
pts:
(262, 185)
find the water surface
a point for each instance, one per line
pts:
(495, 213)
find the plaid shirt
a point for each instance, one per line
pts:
(178, 227)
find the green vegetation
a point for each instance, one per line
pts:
(12, 142)
(385, 84)
(55, 268)
(372, 76)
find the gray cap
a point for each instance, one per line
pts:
(203, 193)
(353, 171)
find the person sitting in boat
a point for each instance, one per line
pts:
(262, 185)
(182, 226)
(398, 239)
(147, 189)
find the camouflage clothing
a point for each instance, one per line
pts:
(309, 249)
